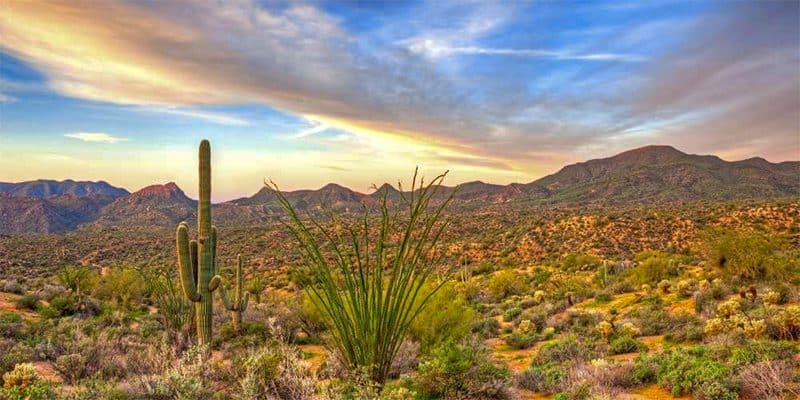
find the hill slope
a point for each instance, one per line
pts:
(47, 188)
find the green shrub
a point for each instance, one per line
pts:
(691, 371)
(71, 366)
(749, 255)
(486, 327)
(446, 318)
(24, 383)
(462, 371)
(505, 283)
(27, 302)
(626, 344)
(511, 314)
(654, 266)
(568, 348)
(123, 286)
(546, 378)
(274, 371)
(518, 340)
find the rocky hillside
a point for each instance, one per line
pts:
(652, 174)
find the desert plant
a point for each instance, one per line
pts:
(748, 255)
(169, 300)
(27, 302)
(462, 372)
(275, 371)
(238, 304)
(24, 383)
(255, 287)
(197, 258)
(370, 298)
(76, 279)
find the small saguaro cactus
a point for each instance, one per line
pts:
(238, 304)
(197, 258)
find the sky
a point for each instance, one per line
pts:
(360, 93)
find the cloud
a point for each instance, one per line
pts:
(433, 49)
(213, 117)
(177, 57)
(96, 137)
(319, 128)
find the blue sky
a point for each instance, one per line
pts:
(307, 93)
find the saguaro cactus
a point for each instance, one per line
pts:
(238, 304)
(197, 258)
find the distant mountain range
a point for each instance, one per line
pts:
(652, 174)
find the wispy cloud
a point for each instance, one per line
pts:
(213, 117)
(319, 128)
(433, 49)
(97, 137)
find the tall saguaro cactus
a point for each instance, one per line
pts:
(197, 258)
(238, 304)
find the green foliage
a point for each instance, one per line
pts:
(654, 266)
(462, 371)
(580, 262)
(369, 312)
(519, 340)
(751, 256)
(123, 286)
(511, 314)
(691, 371)
(27, 302)
(505, 283)
(78, 280)
(486, 327)
(171, 304)
(24, 383)
(626, 344)
(547, 377)
(568, 348)
(447, 317)
(256, 286)
(197, 259)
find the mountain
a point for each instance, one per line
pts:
(663, 173)
(19, 214)
(330, 196)
(652, 174)
(48, 188)
(156, 206)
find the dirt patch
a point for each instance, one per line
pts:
(7, 303)
(516, 360)
(652, 392)
(47, 372)
(316, 355)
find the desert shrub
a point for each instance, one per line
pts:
(13, 286)
(626, 344)
(511, 314)
(11, 324)
(447, 317)
(654, 266)
(766, 380)
(519, 340)
(580, 262)
(691, 371)
(704, 299)
(505, 283)
(787, 323)
(274, 371)
(123, 286)
(18, 353)
(568, 348)
(486, 327)
(24, 383)
(546, 378)
(458, 371)
(748, 255)
(78, 280)
(174, 310)
(27, 302)
(71, 366)
(255, 286)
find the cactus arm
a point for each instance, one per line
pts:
(188, 283)
(193, 255)
(223, 293)
(243, 304)
(214, 283)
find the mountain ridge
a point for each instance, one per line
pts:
(645, 174)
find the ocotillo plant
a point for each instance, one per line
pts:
(238, 304)
(197, 259)
(369, 286)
